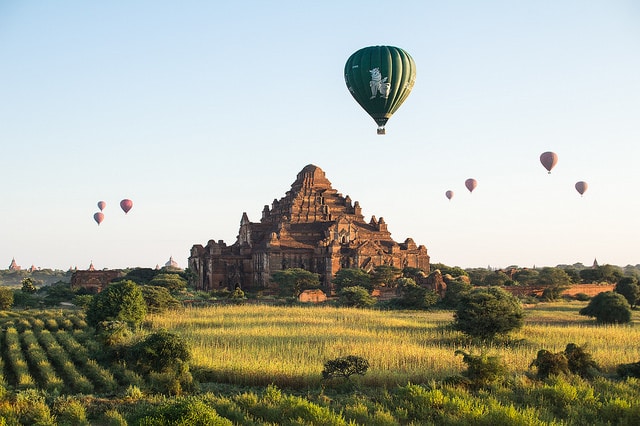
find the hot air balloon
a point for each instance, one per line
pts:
(449, 194)
(380, 78)
(548, 160)
(126, 205)
(102, 205)
(98, 217)
(581, 187)
(471, 184)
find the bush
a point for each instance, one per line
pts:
(345, 367)
(160, 352)
(582, 297)
(629, 370)
(357, 297)
(6, 298)
(628, 287)
(415, 296)
(122, 301)
(550, 364)
(482, 370)
(487, 312)
(608, 308)
(580, 362)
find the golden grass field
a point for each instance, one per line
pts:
(288, 346)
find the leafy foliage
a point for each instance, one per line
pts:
(158, 299)
(293, 281)
(352, 277)
(608, 308)
(628, 287)
(415, 296)
(6, 298)
(172, 282)
(549, 363)
(482, 370)
(356, 296)
(456, 289)
(28, 286)
(487, 312)
(574, 359)
(385, 275)
(160, 351)
(629, 370)
(581, 362)
(121, 301)
(345, 367)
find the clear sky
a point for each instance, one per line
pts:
(199, 111)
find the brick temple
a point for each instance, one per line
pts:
(312, 227)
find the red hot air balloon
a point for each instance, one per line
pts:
(581, 187)
(449, 194)
(98, 217)
(102, 205)
(549, 160)
(471, 184)
(126, 205)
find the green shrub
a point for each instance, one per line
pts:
(549, 364)
(487, 312)
(357, 297)
(629, 370)
(482, 370)
(69, 412)
(580, 362)
(608, 308)
(345, 367)
(113, 418)
(583, 297)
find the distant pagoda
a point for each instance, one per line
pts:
(312, 227)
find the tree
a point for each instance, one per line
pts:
(293, 281)
(550, 364)
(121, 301)
(415, 296)
(28, 286)
(160, 351)
(58, 292)
(385, 275)
(352, 277)
(356, 296)
(6, 298)
(456, 289)
(158, 299)
(172, 282)
(628, 287)
(526, 276)
(486, 312)
(345, 367)
(497, 278)
(608, 308)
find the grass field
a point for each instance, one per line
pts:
(287, 346)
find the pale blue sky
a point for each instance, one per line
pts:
(200, 111)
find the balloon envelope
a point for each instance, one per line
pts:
(471, 184)
(126, 205)
(380, 78)
(449, 194)
(98, 217)
(548, 160)
(102, 205)
(581, 187)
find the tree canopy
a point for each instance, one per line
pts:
(486, 312)
(352, 277)
(293, 281)
(121, 301)
(608, 308)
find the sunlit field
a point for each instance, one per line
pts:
(288, 346)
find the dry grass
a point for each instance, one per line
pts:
(289, 345)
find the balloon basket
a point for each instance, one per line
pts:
(382, 131)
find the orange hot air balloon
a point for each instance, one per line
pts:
(126, 205)
(98, 217)
(471, 184)
(449, 194)
(581, 187)
(548, 160)
(102, 205)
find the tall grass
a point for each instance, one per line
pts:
(288, 346)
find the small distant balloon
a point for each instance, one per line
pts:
(98, 217)
(126, 205)
(471, 184)
(449, 194)
(549, 160)
(581, 187)
(102, 205)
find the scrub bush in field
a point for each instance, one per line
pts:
(484, 313)
(580, 362)
(122, 301)
(608, 308)
(482, 370)
(629, 370)
(550, 364)
(69, 411)
(345, 367)
(357, 297)
(181, 412)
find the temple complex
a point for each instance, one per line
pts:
(312, 227)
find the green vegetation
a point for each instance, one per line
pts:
(293, 281)
(122, 301)
(608, 308)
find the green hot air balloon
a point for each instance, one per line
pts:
(380, 78)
